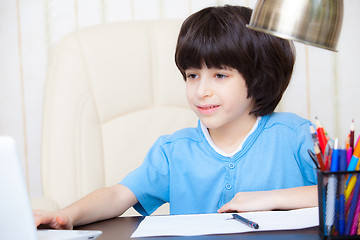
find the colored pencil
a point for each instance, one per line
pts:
(352, 208)
(321, 135)
(319, 157)
(352, 134)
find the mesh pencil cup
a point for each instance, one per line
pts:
(339, 204)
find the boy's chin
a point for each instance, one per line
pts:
(211, 125)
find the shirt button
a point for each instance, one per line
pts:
(228, 186)
(231, 165)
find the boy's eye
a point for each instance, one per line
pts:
(220, 76)
(191, 76)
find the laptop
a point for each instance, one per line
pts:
(16, 217)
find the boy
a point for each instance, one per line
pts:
(242, 156)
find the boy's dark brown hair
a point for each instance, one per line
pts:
(217, 37)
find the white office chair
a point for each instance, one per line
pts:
(111, 90)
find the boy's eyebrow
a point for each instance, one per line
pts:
(228, 69)
(192, 69)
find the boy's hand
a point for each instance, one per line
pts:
(248, 202)
(52, 219)
(285, 199)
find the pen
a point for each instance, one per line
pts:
(313, 157)
(342, 160)
(245, 221)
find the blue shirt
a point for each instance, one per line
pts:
(184, 170)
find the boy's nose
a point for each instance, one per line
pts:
(204, 89)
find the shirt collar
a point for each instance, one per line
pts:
(218, 150)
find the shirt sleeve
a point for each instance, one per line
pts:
(305, 142)
(150, 181)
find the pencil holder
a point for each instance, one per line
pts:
(339, 204)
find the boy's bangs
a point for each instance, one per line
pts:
(210, 54)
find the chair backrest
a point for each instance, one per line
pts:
(111, 90)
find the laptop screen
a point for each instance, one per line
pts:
(16, 215)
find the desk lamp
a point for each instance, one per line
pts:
(313, 22)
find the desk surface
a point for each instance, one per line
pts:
(121, 228)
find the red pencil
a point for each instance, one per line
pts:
(321, 135)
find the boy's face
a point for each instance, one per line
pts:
(219, 97)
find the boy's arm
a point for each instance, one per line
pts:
(285, 199)
(101, 204)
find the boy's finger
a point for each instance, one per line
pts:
(224, 208)
(60, 220)
(43, 217)
(63, 222)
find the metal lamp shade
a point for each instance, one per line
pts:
(314, 22)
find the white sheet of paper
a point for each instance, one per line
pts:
(221, 223)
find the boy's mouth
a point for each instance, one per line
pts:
(207, 109)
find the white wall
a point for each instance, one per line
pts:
(325, 84)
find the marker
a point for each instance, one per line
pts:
(335, 157)
(342, 160)
(245, 221)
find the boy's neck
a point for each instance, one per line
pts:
(229, 137)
